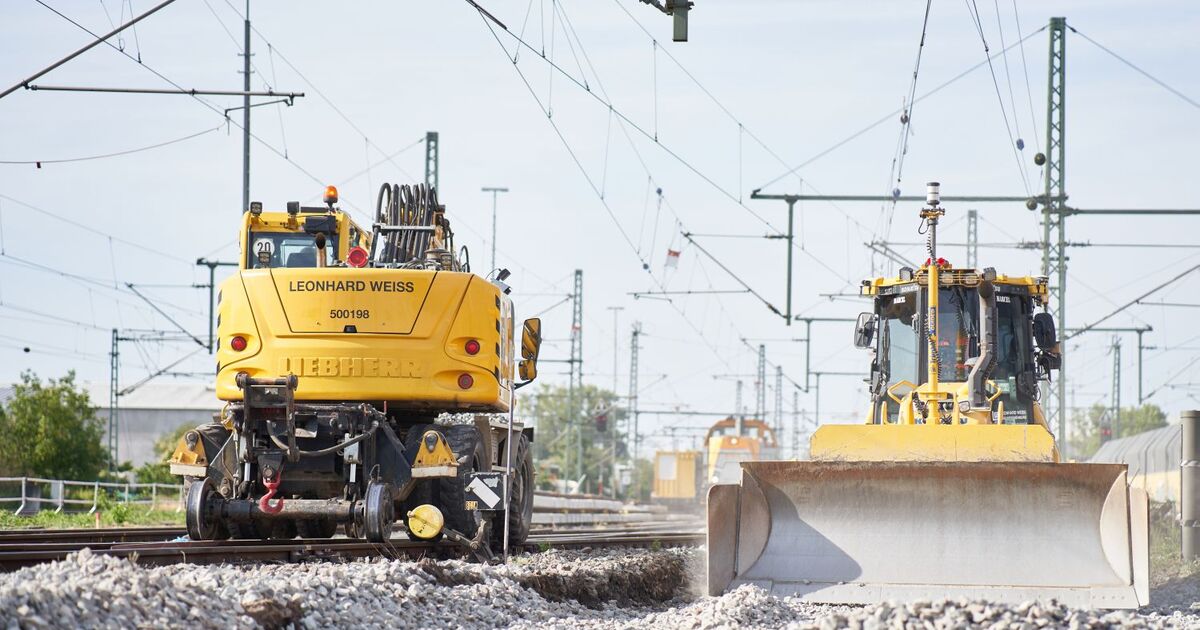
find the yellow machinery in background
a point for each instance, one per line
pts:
(680, 477)
(339, 352)
(953, 486)
(731, 441)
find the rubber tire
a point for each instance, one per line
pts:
(520, 514)
(200, 524)
(450, 493)
(380, 512)
(317, 528)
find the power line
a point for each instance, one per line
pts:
(1139, 70)
(891, 115)
(88, 228)
(99, 40)
(1135, 301)
(97, 282)
(322, 94)
(157, 145)
(210, 106)
(623, 120)
(603, 100)
(973, 8)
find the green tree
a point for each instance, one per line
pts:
(51, 430)
(556, 450)
(1089, 423)
(159, 471)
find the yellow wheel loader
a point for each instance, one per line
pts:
(369, 379)
(953, 486)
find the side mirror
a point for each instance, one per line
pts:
(531, 344)
(1043, 331)
(864, 330)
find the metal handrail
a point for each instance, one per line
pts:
(61, 501)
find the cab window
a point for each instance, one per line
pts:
(899, 341)
(288, 249)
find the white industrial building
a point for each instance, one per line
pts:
(148, 412)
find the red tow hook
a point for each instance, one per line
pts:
(268, 503)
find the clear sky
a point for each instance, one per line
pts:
(775, 83)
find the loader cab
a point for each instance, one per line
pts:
(898, 338)
(296, 237)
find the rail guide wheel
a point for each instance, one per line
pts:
(379, 511)
(199, 513)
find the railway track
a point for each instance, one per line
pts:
(160, 545)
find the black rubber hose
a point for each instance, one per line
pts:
(332, 449)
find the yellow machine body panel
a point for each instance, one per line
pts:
(933, 443)
(398, 336)
(395, 335)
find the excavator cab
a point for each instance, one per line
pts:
(952, 485)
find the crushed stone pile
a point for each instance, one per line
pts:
(557, 589)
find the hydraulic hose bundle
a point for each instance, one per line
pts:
(409, 224)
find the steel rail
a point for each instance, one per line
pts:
(16, 553)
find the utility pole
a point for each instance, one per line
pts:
(779, 406)
(790, 237)
(495, 191)
(1054, 248)
(795, 424)
(212, 269)
(1116, 387)
(633, 401)
(741, 411)
(972, 239)
(1140, 331)
(114, 366)
(760, 385)
(613, 430)
(246, 115)
(431, 159)
(616, 310)
(575, 389)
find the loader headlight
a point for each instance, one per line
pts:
(238, 343)
(466, 381)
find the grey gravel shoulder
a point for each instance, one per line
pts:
(576, 589)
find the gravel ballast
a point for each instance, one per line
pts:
(576, 589)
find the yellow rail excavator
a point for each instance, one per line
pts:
(369, 379)
(953, 486)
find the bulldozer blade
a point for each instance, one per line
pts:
(866, 532)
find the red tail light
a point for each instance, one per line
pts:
(472, 347)
(357, 257)
(465, 381)
(238, 343)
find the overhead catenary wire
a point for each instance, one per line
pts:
(320, 93)
(100, 39)
(270, 147)
(102, 156)
(1163, 84)
(891, 115)
(488, 22)
(973, 9)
